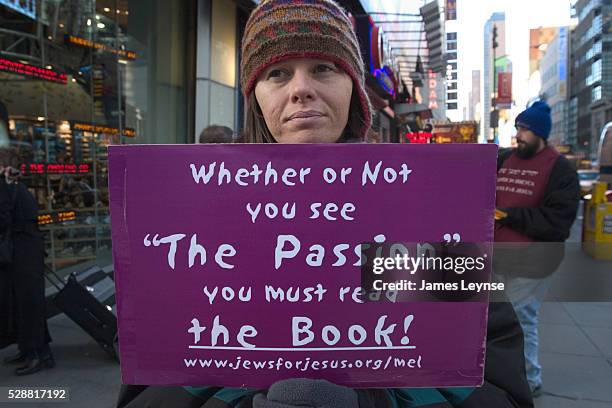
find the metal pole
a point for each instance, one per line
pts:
(41, 40)
(93, 142)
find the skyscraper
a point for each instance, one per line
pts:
(474, 100)
(452, 60)
(554, 77)
(590, 89)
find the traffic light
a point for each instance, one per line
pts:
(495, 44)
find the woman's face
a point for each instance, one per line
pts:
(304, 100)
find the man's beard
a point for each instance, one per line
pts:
(527, 150)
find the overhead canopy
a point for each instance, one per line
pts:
(414, 29)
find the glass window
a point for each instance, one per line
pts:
(223, 43)
(112, 72)
(451, 106)
(451, 36)
(596, 93)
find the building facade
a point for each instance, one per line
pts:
(591, 74)
(474, 97)
(76, 77)
(539, 39)
(452, 61)
(554, 85)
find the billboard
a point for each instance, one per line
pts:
(504, 90)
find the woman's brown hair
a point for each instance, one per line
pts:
(256, 131)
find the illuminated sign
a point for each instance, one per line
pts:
(465, 132)
(376, 47)
(45, 219)
(419, 137)
(376, 53)
(88, 127)
(25, 7)
(433, 96)
(53, 168)
(32, 71)
(385, 79)
(71, 39)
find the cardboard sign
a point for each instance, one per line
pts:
(238, 265)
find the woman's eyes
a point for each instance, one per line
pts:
(279, 73)
(276, 73)
(325, 68)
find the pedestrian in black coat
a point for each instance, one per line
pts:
(24, 277)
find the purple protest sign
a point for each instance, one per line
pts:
(238, 265)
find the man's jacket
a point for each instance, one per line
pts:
(548, 224)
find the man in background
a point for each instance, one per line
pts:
(216, 134)
(537, 201)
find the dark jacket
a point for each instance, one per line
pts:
(22, 283)
(8, 319)
(548, 224)
(5, 204)
(505, 383)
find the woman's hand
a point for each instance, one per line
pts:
(300, 392)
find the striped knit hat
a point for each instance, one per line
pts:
(278, 30)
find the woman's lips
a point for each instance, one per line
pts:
(304, 115)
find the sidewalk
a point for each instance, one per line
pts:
(91, 374)
(576, 337)
(576, 355)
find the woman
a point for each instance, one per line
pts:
(303, 80)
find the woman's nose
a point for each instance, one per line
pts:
(301, 87)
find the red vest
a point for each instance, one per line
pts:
(522, 183)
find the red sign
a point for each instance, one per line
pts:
(419, 137)
(504, 89)
(32, 71)
(52, 168)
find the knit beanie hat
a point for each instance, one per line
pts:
(536, 118)
(278, 30)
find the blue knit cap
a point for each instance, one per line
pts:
(536, 118)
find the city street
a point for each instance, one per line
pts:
(231, 155)
(576, 352)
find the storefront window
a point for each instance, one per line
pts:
(76, 77)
